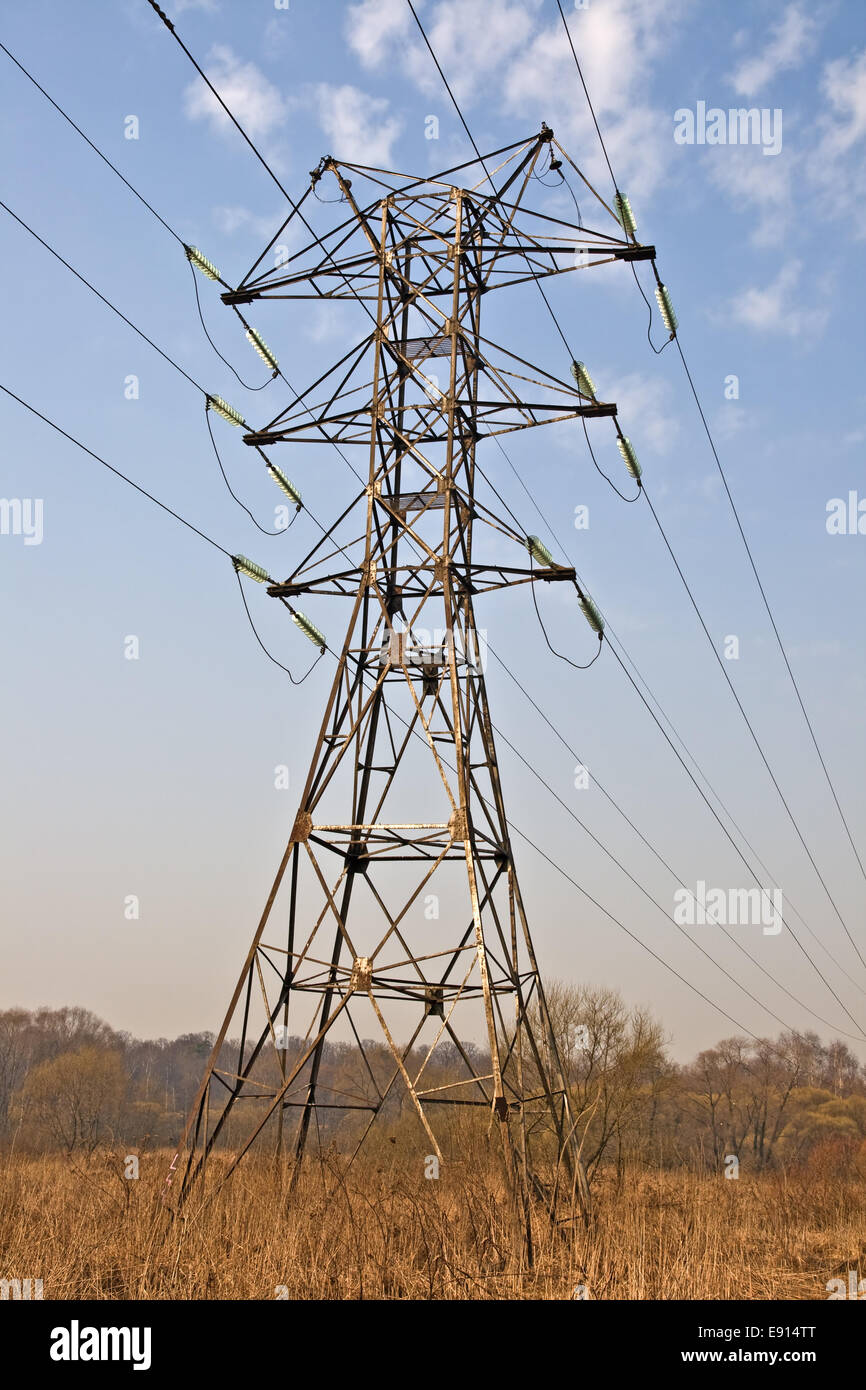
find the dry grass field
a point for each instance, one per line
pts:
(382, 1231)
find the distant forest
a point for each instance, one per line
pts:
(69, 1082)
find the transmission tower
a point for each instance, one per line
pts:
(396, 910)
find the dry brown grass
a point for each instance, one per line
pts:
(385, 1232)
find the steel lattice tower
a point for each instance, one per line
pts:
(402, 806)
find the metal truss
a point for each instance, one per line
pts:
(396, 911)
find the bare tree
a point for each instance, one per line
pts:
(74, 1100)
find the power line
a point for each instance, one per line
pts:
(733, 506)
(149, 495)
(166, 357)
(678, 878)
(177, 516)
(95, 148)
(456, 106)
(586, 94)
(190, 526)
(740, 706)
(165, 224)
(533, 769)
(573, 881)
(113, 307)
(232, 493)
(224, 360)
(267, 653)
(259, 156)
(295, 207)
(209, 539)
(766, 602)
(698, 788)
(611, 634)
(776, 784)
(634, 937)
(177, 368)
(796, 938)
(751, 729)
(166, 508)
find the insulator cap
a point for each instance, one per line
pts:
(625, 447)
(626, 216)
(250, 568)
(227, 411)
(585, 383)
(666, 309)
(262, 348)
(310, 630)
(283, 482)
(539, 552)
(591, 612)
(195, 257)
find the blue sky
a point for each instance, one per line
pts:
(155, 777)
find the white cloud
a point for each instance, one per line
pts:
(357, 124)
(645, 414)
(762, 185)
(731, 419)
(249, 95)
(791, 41)
(618, 44)
(843, 83)
(775, 309)
(836, 167)
(824, 164)
(503, 51)
(471, 39)
(235, 218)
(374, 25)
(643, 411)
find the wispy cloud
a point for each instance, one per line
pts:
(836, 167)
(644, 411)
(764, 186)
(234, 218)
(775, 309)
(643, 408)
(791, 41)
(358, 125)
(471, 39)
(253, 99)
(509, 54)
(822, 160)
(618, 44)
(374, 25)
